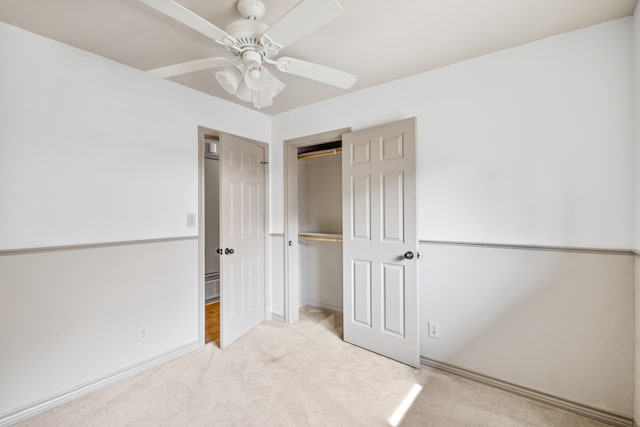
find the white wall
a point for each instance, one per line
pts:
(558, 322)
(636, 401)
(529, 146)
(94, 151)
(70, 317)
(636, 121)
(277, 275)
(320, 195)
(320, 211)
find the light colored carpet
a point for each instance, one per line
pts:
(298, 375)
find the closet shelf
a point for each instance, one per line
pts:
(320, 237)
(321, 153)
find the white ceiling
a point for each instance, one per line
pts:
(378, 40)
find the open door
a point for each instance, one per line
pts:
(242, 237)
(380, 266)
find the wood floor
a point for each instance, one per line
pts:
(212, 323)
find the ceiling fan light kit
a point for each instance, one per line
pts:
(253, 45)
(229, 79)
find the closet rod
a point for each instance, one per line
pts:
(320, 239)
(321, 153)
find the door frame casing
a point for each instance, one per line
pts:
(202, 132)
(291, 253)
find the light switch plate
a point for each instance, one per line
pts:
(142, 333)
(434, 329)
(191, 220)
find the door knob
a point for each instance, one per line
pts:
(219, 251)
(408, 255)
(229, 251)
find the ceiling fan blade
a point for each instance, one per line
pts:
(316, 72)
(305, 17)
(187, 17)
(189, 67)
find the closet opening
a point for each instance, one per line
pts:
(351, 237)
(314, 224)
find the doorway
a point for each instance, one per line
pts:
(377, 234)
(232, 235)
(313, 222)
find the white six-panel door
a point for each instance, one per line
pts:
(242, 234)
(379, 240)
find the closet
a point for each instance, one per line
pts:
(350, 228)
(318, 175)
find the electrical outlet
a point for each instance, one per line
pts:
(191, 220)
(434, 329)
(142, 333)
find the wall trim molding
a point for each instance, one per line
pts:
(637, 253)
(32, 409)
(21, 251)
(314, 304)
(604, 251)
(558, 402)
(277, 318)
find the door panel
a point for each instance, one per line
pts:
(360, 152)
(242, 205)
(392, 206)
(379, 220)
(362, 292)
(393, 300)
(361, 212)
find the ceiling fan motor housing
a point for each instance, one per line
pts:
(251, 9)
(247, 36)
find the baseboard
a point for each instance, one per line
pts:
(578, 408)
(30, 410)
(277, 317)
(321, 305)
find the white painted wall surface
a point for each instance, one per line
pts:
(533, 146)
(557, 322)
(95, 151)
(636, 211)
(320, 195)
(320, 211)
(321, 274)
(636, 405)
(70, 317)
(277, 274)
(529, 145)
(636, 123)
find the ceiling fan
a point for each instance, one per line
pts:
(252, 45)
